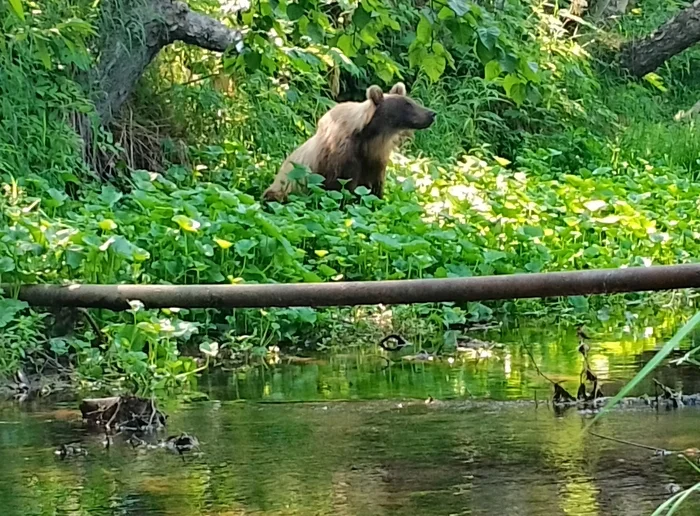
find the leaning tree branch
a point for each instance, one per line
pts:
(680, 32)
(128, 50)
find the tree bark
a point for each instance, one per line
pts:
(680, 32)
(128, 48)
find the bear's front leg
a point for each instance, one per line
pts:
(378, 189)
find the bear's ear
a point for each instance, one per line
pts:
(398, 89)
(374, 93)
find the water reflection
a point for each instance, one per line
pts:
(616, 354)
(358, 458)
(382, 454)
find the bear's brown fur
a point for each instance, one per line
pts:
(354, 141)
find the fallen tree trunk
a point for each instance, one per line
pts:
(142, 28)
(517, 286)
(680, 32)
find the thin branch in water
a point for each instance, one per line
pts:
(661, 451)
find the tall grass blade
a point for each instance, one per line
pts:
(17, 8)
(651, 365)
(675, 501)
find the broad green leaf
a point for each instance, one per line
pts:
(424, 31)
(346, 45)
(223, 244)
(110, 195)
(488, 36)
(445, 13)
(7, 264)
(460, 7)
(360, 17)
(210, 349)
(434, 66)
(493, 256)
(186, 223)
(8, 309)
(386, 240)
(107, 225)
(595, 205)
(243, 246)
(509, 82)
(518, 93)
(294, 11)
(492, 70)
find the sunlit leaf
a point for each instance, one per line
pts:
(17, 8)
(492, 70)
(186, 223)
(107, 225)
(424, 30)
(595, 205)
(223, 244)
(209, 348)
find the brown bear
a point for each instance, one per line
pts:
(354, 141)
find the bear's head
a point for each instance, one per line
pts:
(396, 111)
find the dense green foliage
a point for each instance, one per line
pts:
(542, 158)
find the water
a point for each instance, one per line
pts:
(370, 445)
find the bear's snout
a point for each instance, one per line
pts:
(427, 119)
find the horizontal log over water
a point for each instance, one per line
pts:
(485, 288)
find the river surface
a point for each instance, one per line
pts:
(348, 435)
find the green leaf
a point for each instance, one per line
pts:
(434, 66)
(492, 70)
(294, 12)
(650, 366)
(656, 81)
(485, 55)
(460, 7)
(210, 349)
(74, 258)
(107, 225)
(509, 82)
(385, 240)
(43, 53)
(530, 71)
(360, 17)
(518, 93)
(8, 309)
(424, 30)
(110, 196)
(243, 246)
(494, 256)
(7, 264)
(346, 45)
(445, 14)
(17, 8)
(59, 346)
(488, 36)
(186, 223)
